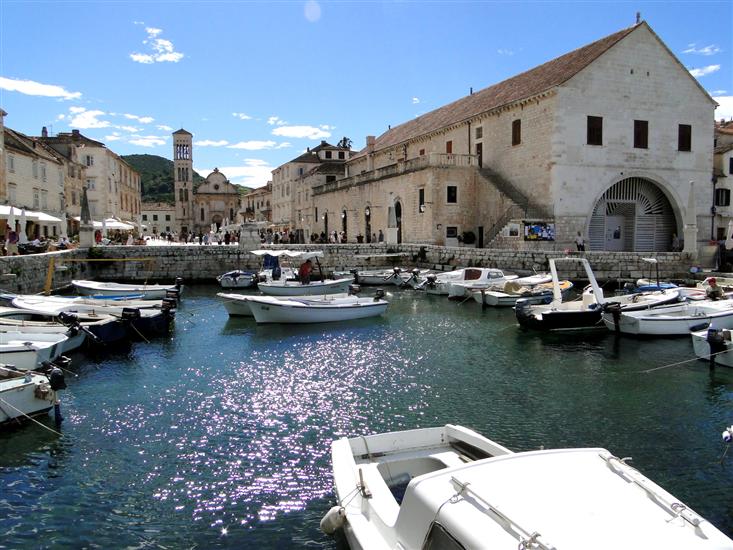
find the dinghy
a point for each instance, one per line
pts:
(673, 320)
(26, 351)
(237, 305)
(451, 488)
(27, 394)
(469, 277)
(238, 279)
(512, 291)
(269, 309)
(147, 291)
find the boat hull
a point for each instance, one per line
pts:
(148, 292)
(22, 399)
(301, 313)
(238, 279)
(292, 288)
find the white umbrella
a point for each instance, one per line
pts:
(104, 228)
(11, 219)
(22, 238)
(729, 238)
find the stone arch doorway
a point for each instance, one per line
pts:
(344, 221)
(217, 219)
(325, 224)
(398, 215)
(633, 215)
(368, 224)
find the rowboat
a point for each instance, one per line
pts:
(27, 394)
(512, 291)
(238, 279)
(147, 291)
(450, 488)
(466, 277)
(295, 288)
(268, 309)
(673, 320)
(460, 290)
(26, 351)
(237, 305)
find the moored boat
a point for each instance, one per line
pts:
(27, 394)
(27, 351)
(714, 345)
(512, 291)
(450, 487)
(295, 288)
(238, 279)
(147, 291)
(237, 305)
(269, 309)
(672, 320)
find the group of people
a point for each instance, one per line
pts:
(278, 237)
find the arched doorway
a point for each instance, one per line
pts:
(325, 224)
(368, 224)
(217, 219)
(635, 215)
(398, 215)
(344, 222)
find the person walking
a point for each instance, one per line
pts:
(580, 242)
(381, 237)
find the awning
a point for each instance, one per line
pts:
(30, 215)
(109, 223)
(305, 254)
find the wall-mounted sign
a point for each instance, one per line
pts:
(539, 231)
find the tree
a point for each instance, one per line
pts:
(345, 143)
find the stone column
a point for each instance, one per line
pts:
(86, 227)
(249, 235)
(690, 229)
(391, 235)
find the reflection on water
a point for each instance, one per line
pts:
(220, 435)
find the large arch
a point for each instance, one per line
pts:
(634, 214)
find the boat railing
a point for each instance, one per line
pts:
(527, 540)
(675, 509)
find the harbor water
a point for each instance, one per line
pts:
(219, 436)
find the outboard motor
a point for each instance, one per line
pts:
(130, 314)
(431, 280)
(73, 330)
(354, 289)
(614, 308)
(355, 273)
(716, 341)
(56, 379)
(523, 310)
(168, 306)
(378, 295)
(68, 319)
(173, 293)
(179, 283)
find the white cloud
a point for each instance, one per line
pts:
(310, 132)
(312, 11)
(702, 71)
(712, 49)
(284, 145)
(84, 119)
(131, 129)
(718, 92)
(160, 49)
(725, 107)
(242, 116)
(415, 100)
(140, 119)
(30, 87)
(252, 145)
(505, 51)
(276, 121)
(211, 143)
(164, 128)
(253, 173)
(75, 110)
(147, 141)
(114, 136)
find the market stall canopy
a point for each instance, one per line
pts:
(304, 254)
(109, 223)
(29, 215)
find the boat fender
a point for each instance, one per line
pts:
(334, 520)
(379, 294)
(728, 434)
(56, 379)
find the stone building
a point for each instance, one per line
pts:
(722, 179)
(158, 217)
(215, 200)
(257, 204)
(291, 185)
(604, 140)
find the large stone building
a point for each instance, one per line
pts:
(604, 140)
(722, 179)
(158, 217)
(257, 204)
(214, 201)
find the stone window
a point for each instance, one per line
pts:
(516, 131)
(684, 137)
(595, 130)
(167, 217)
(722, 197)
(479, 132)
(90, 183)
(641, 134)
(421, 200)
(328, 154)
(329, 179)
(730, 165)
(36, 198)
(35, 169)
(43, 171)
(155, 217)
(449, 147)
(342, 155)
(145, 217)
(452, 194)
(73, 198)
(202, 214)
(12, 190)
(11, 163)
(451, 232)
(89, 160)
(422, 152)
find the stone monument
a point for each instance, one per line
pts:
(86, 226)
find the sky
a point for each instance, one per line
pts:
(257, 83)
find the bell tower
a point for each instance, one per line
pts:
(183, 179)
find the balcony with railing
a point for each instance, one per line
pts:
(431, 160)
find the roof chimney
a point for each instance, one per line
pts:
(638, 17)
(323, 143)
(44, 132)
(75, 134)
(370, 144)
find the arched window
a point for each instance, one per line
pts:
(202, 214)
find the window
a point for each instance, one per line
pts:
(449, 147)
(440, 539)
(167, 228)
(155, 217)
(730, 165)
(11, 163)
(422, 152)
(516, 132)
(202, 214)
(451, 232)
(329, 179)
(145, 217)
(44, 199)
(342, 155)
(89, 159)
(12, 190)
(43, 172)
(722, 197)
(90, 183)
(328, 154)
(73, 198)
(36, 198)
(479, 132)
(421, 200)
(167, 217)
(35, 169)
(300, 171)
(595, 130)
(641, 134)
(452, 194)
(684, 137)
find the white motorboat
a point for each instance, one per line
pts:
(27, 351)
(27, 394)
(146, 291)
(295, 288)
(467, 277)
(17, 320)
(585, 313)
(269, 309)
(238, 279)
(714, 345)
(672, 320)
(388, 276)
(451, 488)
(237, 305)
(512, 291)
(460, 290)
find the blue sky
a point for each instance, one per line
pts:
(258, 82)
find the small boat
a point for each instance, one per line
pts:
(672, 320)
(237, 305)
(714, 345)
(17, 320)
(450, 488)
(388, 276)
(460, 290)
(586, 313)
(466, 278)
(147, 291)
(26, 394)
(238, 279)
(27, 351)
(512, 291)
(295, 288)
(269, 309)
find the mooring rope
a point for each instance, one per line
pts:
(31, 418)
(697, 358)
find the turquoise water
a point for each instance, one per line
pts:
(219, 436)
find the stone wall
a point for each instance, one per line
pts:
(27, 274)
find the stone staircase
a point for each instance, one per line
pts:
(521, 207)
